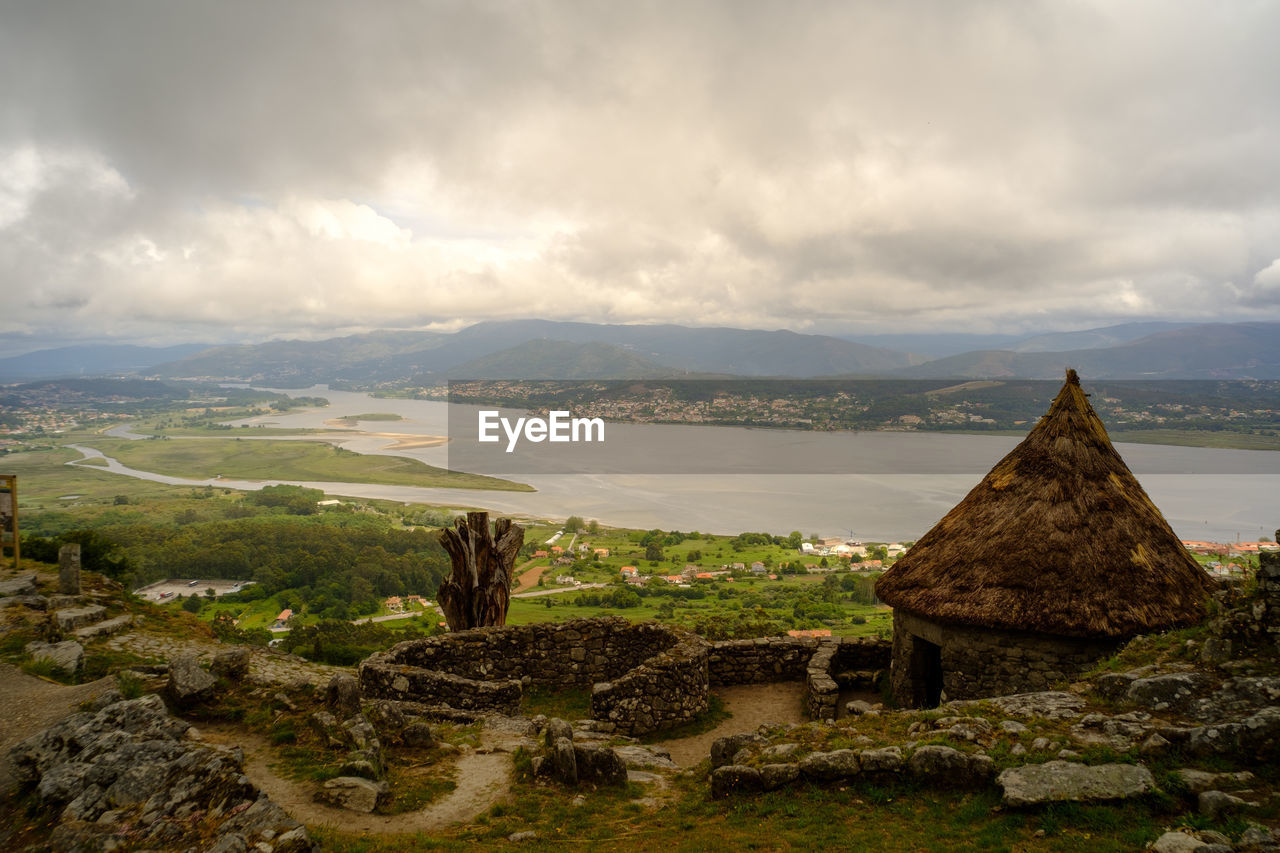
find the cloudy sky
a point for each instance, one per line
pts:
(237, 171)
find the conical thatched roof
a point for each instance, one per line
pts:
(1058, 538)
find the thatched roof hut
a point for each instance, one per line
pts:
(1059, 538)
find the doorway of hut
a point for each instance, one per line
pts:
(926, 673)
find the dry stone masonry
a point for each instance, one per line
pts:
(644, 677)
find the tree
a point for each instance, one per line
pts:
(574, 523)
(653, 552)
(478, 591)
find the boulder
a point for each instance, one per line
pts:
(947, 767)
(365, 763)
(1215, 804)
(342, 695)
(188, 683)
(67, 656)
(599, 765)
(360, 734)
(827, 766)
(886, 760)
(645, 757)
(734, 778)
(354, 793)
(131, 758)
(564, 761)
(556, 729)
(1199, 781)
(418, 733)
(724, 749)
(1053, 704)
(1171, 691)
(781, 750)
(1065, 781)
(326, 725)
(1178, 842)
(773, 776)
(232, 664)
(385, 716)
(20, 585)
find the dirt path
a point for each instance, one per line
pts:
(752, 706)
(483, 780)
(28, 705)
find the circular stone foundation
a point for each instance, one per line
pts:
(643, 676)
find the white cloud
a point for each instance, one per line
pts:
(228, 171)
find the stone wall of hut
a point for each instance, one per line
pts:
(979, 662)
(644, 676)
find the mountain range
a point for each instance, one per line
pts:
(544, 349)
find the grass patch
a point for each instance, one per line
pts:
(573, 703)
(416, 785)
(287, 460)
(1198, 438)
(48, 670)
(130, 685)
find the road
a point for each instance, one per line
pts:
(538, 592)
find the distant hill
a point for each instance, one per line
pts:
(300, 364)
(1107, 336)
(106, 359)
(546, 359)
(930, 345)
(389, 357)
(1207, 351)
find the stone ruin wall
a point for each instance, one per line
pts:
(644, 677)
(987, 662)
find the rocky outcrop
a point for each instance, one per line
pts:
(355, 793)
(188, 683)
(67, 656)
(573, 757)
(127, 775)
(19, 585)
(1067, 782)
(232, 664)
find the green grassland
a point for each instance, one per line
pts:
(1199, 438)
(287, 460)
(372, 416)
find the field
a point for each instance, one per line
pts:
(285, 460)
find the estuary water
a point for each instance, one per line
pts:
(1205, 493)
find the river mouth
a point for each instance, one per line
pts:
(1205, 494)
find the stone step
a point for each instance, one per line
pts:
(67, 655)
(20, 585)
(69, 620)
(101, 629)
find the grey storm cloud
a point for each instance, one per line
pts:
(240, 170)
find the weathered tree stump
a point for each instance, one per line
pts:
(478, 592)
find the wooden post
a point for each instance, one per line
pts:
(478, 591)
(9, 515)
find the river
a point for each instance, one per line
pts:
(1205, 493)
